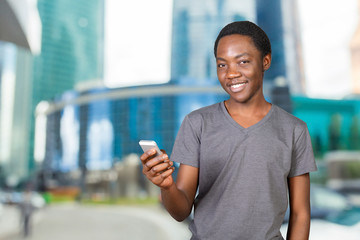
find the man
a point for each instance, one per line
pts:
(240, 159)
(26, 208)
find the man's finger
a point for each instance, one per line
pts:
(147, 154)
(156, 160)
(160, 177)
(160, 167)
(168, 172)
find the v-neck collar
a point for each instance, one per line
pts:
(252, 127)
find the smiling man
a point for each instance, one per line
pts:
(241, 159)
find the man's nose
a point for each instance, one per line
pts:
(233, 71)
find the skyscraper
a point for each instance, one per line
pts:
(72, 49)
(20, 30)
(15, 97)
(269, 18)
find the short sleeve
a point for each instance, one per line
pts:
(187, 144)
(302, 160)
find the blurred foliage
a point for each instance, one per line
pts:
(352, 170)
(57, 198)
(54, 198)
(321, 175)
(335, 132)
(123, 201)
(354, 138)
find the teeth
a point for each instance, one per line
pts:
(237, 85)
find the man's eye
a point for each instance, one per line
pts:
(244, 62)
(221, 65)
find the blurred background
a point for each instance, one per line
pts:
(81, 82)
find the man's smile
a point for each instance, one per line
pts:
(238, 86)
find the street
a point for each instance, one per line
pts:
(74, 221)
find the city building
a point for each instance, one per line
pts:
(20, 40)
(70, 36)
(72, 52)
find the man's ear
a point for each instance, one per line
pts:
(266, 62)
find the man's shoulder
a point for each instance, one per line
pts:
(200, 117)
(286, 118)
(205, 111)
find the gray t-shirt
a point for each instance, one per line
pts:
(243, 172)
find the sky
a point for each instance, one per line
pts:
(326, 29)
(140, 54)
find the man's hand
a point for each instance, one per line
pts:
(158, 169)
(177, 197)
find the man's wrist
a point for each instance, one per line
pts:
(168, 188)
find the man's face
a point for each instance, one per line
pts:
(240, 68)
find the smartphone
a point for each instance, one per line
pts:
(149, 144)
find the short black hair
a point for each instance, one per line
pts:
(246, 28)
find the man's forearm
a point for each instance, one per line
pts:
(176, 202)
(299, 227)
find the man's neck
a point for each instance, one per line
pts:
(251, 108)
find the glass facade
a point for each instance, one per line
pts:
(72, 53)
(270, 18)
(69, 134)
(72, 46)
(98, 133)
(15, 82)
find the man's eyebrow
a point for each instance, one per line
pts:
(241, 55)
(237, 56)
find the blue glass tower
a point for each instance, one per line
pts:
(269, 18)
(72, 51)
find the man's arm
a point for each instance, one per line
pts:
(299, 195)
(177, 197)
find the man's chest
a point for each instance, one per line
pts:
(256, 151)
